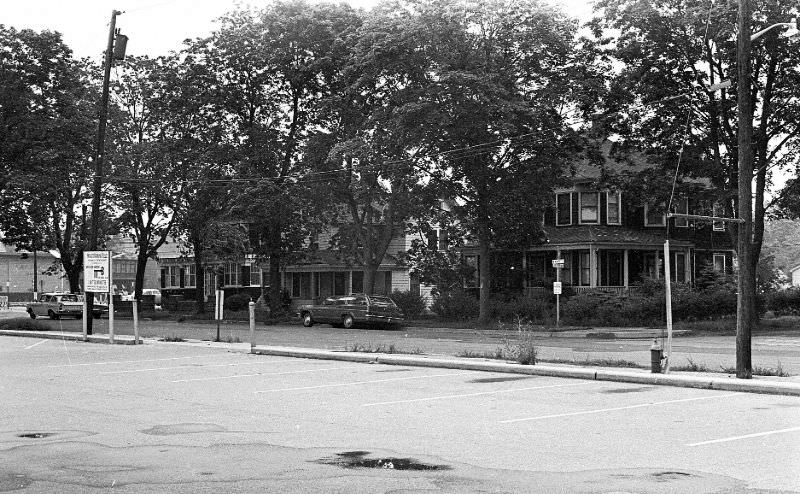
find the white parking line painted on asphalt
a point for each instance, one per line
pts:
(132, 361)
(357, 383)
(36, 344)
(603, 410)
(746, 436)
(188, 366)
(258, 374)
(467, 395)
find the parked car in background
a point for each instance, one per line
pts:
(57, 305)
(156, 293)
(349, 311)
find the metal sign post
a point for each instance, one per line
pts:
(668, 295)
(558, 264)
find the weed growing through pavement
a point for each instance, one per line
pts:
(777, 371)
(691, 366)
(521, 348)
(173, 338)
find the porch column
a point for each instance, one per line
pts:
(349, 282)
(592, 266)
(688, 266)
(658, 265)
(625, 268)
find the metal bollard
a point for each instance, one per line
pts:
(252, 325)
(135, 321)
(656, 356)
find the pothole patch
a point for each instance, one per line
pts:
(498, 379)
(358, 459)
(14, 482)
(628, 390)
(177, 429)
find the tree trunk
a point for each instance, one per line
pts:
(275, 295)
(141, 267)
(73, 277)
(484, 274)
(370, 270)
(200, 281)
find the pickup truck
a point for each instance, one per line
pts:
(349, 311)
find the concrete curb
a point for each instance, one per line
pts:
(51, 335)
(700, 382)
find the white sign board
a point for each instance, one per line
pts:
(96, 271)
(558, 263)
(557, 288)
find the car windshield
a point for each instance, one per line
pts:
(69, 298)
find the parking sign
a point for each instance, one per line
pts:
(96, 271)
(557, 288)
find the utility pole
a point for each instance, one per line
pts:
(101, 139)
(746, 281)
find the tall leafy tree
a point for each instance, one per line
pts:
(665, 100)
(375, 161)
(497, 114)
(47, 115)
(147, 161)
(273, 67)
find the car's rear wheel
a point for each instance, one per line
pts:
(52, 315)
(347, 321)
(32, 314)
(307, 320)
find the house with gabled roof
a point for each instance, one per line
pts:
(609, 241)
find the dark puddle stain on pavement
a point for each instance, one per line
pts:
(176, 429)
(36, 435)
(498, 379)
(628, 390)
(356, 459)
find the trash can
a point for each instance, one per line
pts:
(656, 356)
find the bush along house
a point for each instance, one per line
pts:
(610, 242)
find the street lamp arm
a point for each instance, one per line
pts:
(793, 27)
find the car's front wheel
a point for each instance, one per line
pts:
(347, 321)
(32, 314)
(307, 320)
(52, 315)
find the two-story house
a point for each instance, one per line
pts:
(609, 242)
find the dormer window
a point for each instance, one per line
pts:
(564, 209)
(654, 216)
(589, 207)
(614, 208)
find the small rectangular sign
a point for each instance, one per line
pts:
(557, 287)
(96, 271)
(558, 263)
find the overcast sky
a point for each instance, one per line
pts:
(154, 26)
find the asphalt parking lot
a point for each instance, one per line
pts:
(174, 417)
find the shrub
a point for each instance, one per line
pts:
(23, 324)
(455, 306)
(412, 304)
(237, 302)
(784, 302)
(525, 308)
